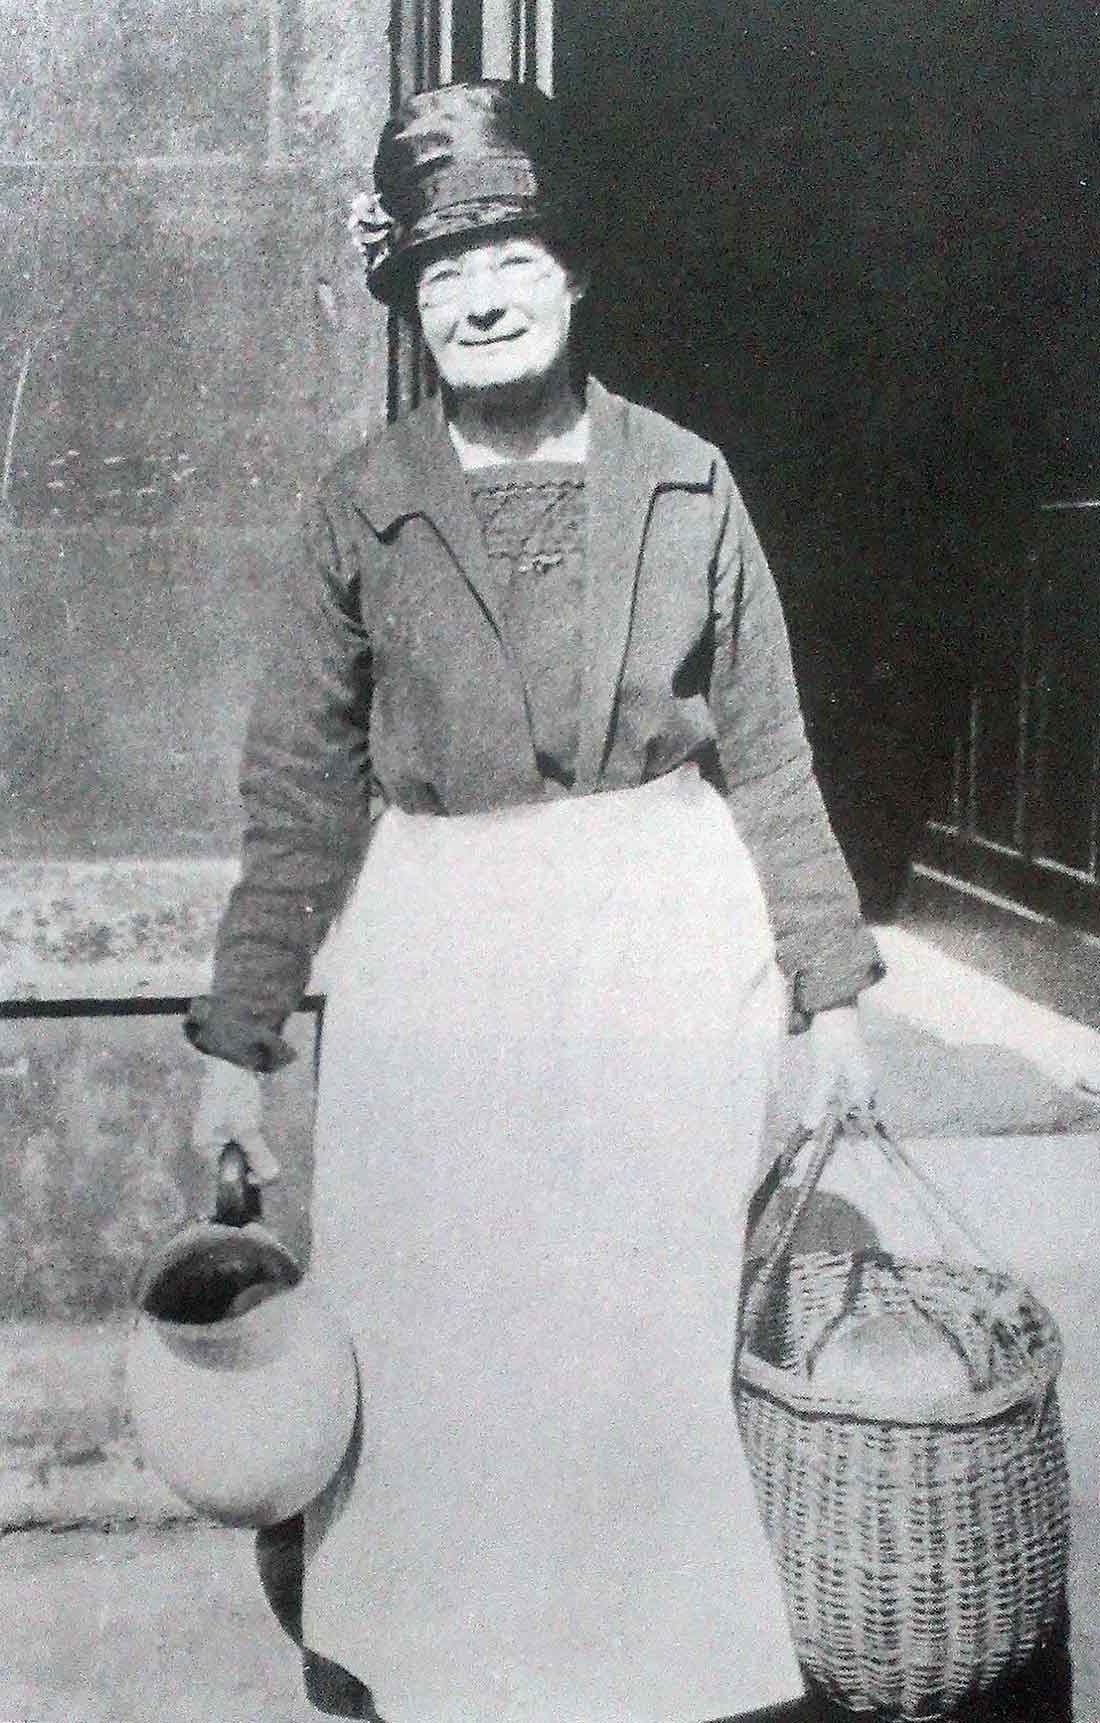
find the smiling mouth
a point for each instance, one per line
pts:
(494, 340)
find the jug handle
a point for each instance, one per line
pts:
(237, 1195)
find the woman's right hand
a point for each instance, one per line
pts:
(230, 1111)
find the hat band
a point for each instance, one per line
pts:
(471, 182)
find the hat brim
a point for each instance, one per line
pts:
(392, 280)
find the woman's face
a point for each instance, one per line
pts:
(496, 314)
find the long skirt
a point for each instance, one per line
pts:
(543, 1074)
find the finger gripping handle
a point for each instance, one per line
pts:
(237, 1195)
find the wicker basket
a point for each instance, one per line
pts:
(923, 1550)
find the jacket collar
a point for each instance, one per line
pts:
(633, 454)
(414, 470)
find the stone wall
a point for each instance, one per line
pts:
(184, 342)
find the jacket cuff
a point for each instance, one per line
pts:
(820, 989)
(231, 1033)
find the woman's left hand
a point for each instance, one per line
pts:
(842, 1066)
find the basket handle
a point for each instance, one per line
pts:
(840, 1121)
(824, 1136)
(936, 1205)
(836, 1122)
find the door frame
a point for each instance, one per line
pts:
(1022, 864)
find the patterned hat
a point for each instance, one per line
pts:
(453, 162)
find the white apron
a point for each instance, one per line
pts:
(543, 1075)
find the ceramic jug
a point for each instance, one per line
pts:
(241, 1381)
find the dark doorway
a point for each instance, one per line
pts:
(851, 244)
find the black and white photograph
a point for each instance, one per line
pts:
(550, 861)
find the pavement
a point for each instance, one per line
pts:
(141, 1623)
(120, 1607)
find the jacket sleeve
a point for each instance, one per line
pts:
(823, 946)
(305, 786)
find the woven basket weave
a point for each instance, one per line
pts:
(923, 1548)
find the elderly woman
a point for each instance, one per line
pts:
(536, 621)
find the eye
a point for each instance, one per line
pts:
(439, 273)
(519, 257)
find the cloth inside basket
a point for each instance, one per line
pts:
(995, 1326)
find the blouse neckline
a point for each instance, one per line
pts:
(525, 472)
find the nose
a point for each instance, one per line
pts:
(485, 315)
(484, 299)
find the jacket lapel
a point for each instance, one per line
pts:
(623, 476)
(633, 455)
(415, 472)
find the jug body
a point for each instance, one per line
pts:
(248, 1417)
(241, 1381)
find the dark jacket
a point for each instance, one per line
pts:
(391, 674)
